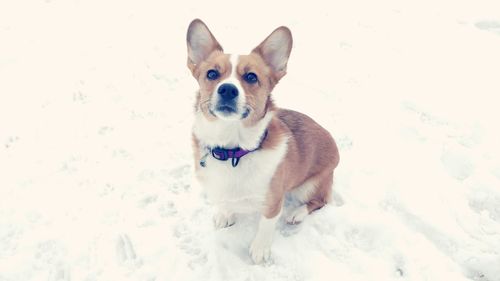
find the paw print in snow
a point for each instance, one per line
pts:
(59, 273)
(11, 141)
(126, 253)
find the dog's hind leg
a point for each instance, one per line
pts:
(314, 193)
(323, 193)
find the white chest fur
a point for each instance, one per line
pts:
(229, 133)
(241, 189)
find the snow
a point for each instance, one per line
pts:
(96, 179)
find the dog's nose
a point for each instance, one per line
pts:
(228, 91)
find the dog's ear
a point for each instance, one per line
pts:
(200, 43)
(275, 50)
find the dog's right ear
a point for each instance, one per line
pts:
(275, 50)
(200, 43)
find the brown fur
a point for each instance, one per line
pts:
(216, 60)
(258, 95)
(312, 155)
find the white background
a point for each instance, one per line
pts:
(96, 108)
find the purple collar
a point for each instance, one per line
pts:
(223, 154)
(235, 154)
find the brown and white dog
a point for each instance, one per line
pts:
(248, 152)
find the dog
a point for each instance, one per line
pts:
(248, 152)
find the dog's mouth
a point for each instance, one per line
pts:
(228, 110)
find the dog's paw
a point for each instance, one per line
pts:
(222, 220)
(297, 215)
(260, 251)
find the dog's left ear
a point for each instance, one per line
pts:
(275, 50)
(200, 42)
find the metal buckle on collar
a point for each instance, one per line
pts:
(220, 154)
(224, 154)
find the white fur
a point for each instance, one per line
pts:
(304, 192)
(229, 133)
(260, 249)
(241, 189)
(234, 59)
(244, 188)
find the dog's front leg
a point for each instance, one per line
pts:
(260, 249)
(223, 218)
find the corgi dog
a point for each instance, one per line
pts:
(248, 152)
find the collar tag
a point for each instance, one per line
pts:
(203, 160)
(235, 161)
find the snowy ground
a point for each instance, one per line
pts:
(95, 157)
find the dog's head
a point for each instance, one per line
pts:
(236, 87)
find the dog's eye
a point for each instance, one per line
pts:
(212, 74)
(250, 77)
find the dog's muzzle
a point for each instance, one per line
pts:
(227, 98)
